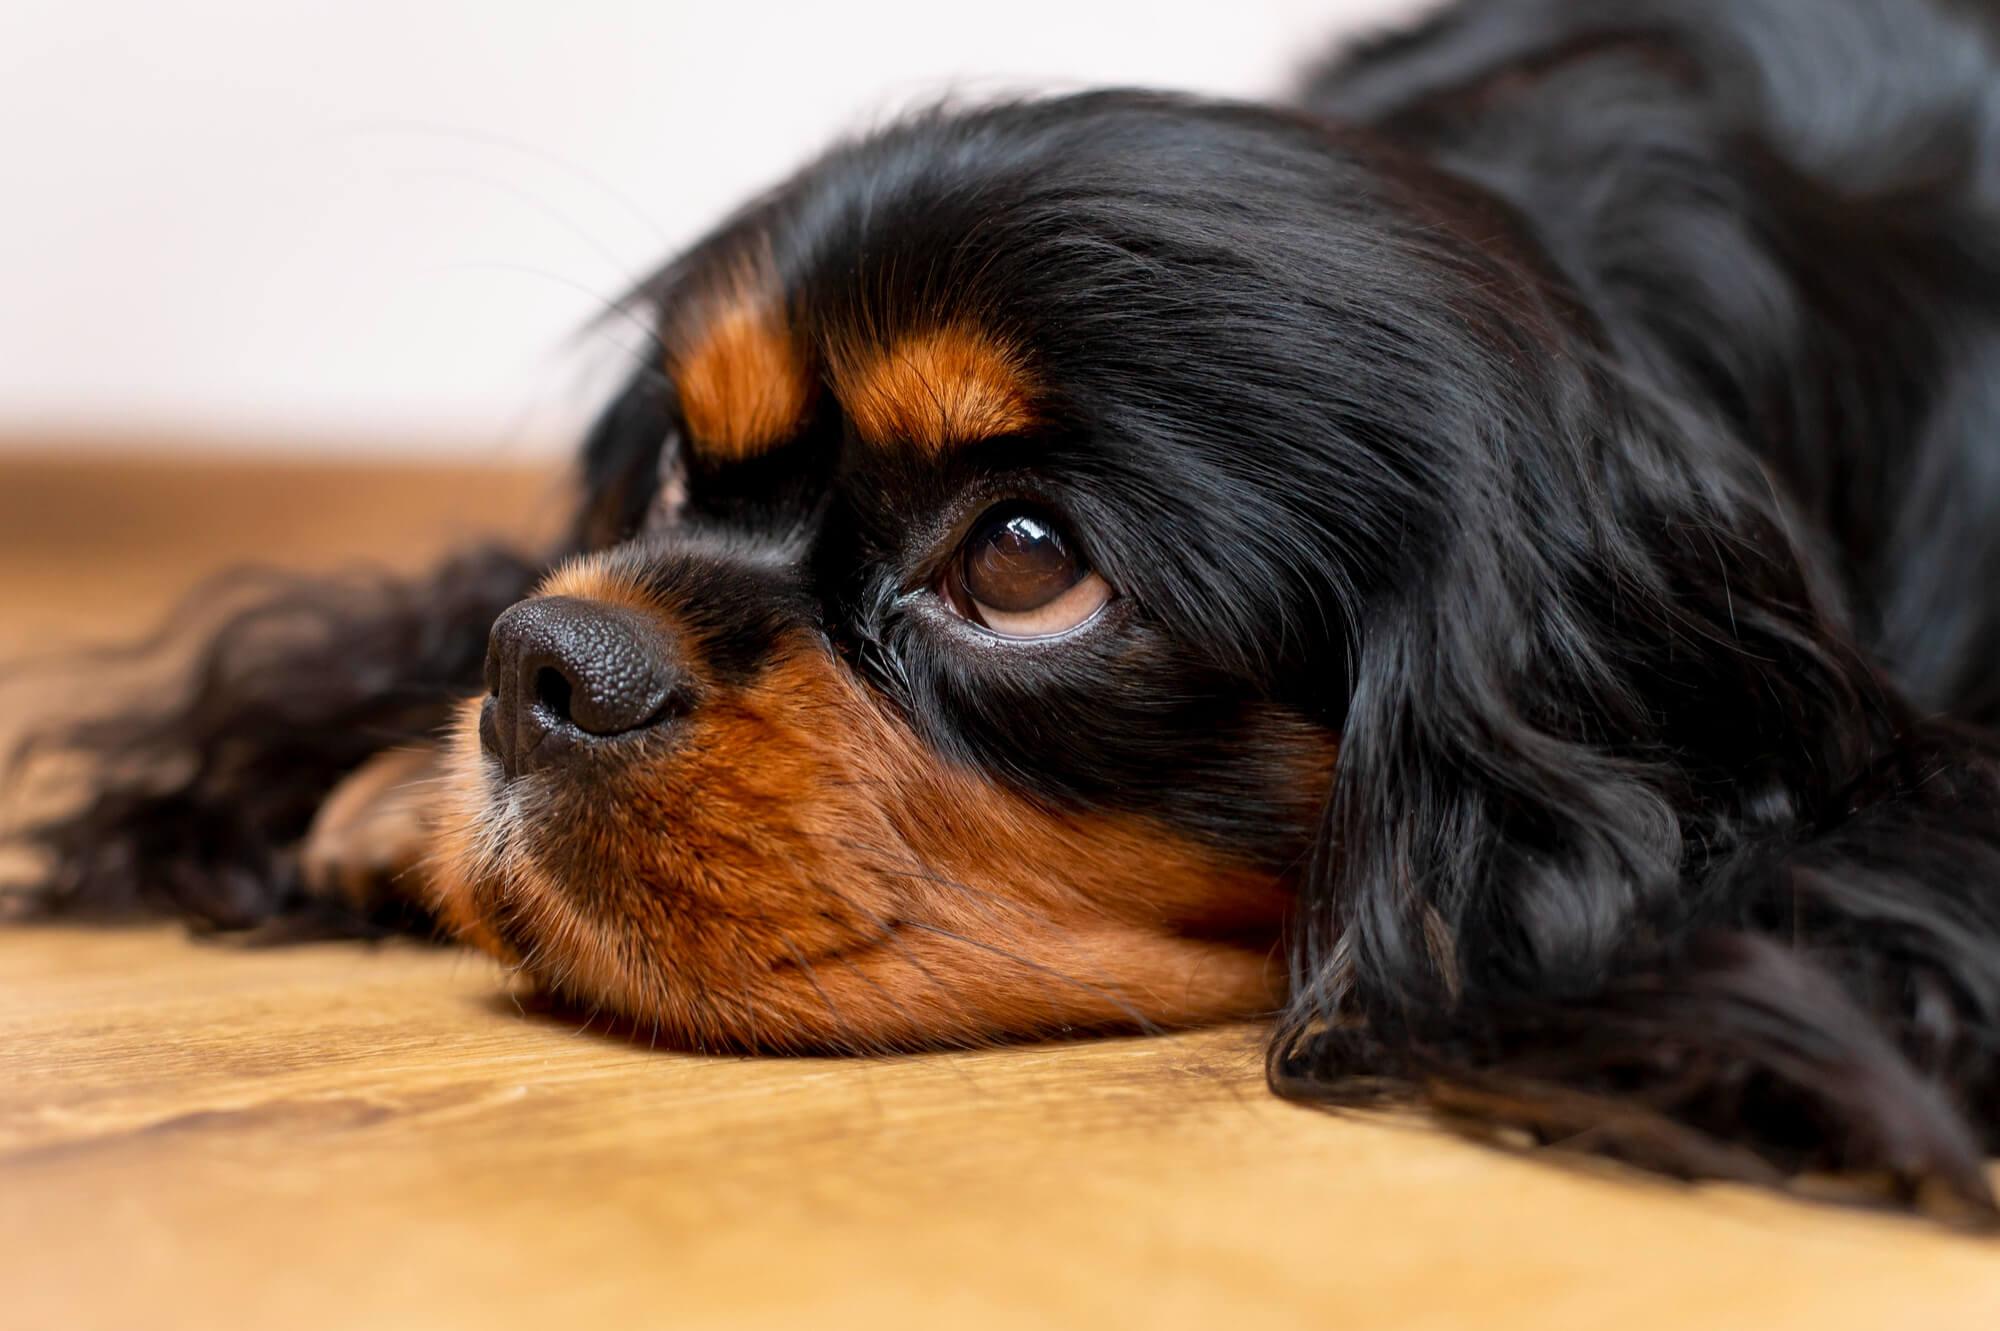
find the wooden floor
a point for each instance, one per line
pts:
(204, 1135)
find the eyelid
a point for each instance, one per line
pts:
(1065, 614)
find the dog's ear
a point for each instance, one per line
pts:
(283, 685)
(196, 789)
(1629, 849)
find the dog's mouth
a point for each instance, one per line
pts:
(781, 863)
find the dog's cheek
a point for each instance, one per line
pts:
(757, 838)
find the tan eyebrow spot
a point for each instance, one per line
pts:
(591, 580)
(743, 381)
(949, 386)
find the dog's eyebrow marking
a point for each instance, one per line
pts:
(951, 385)
(589, 580)
(744, 383)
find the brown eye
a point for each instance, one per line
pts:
(1021, 576)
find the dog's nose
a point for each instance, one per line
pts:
(564, 672)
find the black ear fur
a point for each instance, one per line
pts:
(1631, 849)
(195, 802)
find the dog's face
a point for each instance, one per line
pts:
(962, 656)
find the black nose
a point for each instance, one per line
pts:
(564, 672)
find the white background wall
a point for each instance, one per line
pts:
(363, 224)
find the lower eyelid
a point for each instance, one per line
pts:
(1071, 610)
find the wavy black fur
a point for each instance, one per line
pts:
(200, 797)
(1652, 834)
(1594, 410)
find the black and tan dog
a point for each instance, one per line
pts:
(1495, 561)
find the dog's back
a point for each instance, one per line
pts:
(1787, 211)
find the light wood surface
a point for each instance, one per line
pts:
(201, 1134)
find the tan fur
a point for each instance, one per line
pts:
(588, 580)
(462, 852)
(372, 829)
(952, 385)
(745, 386)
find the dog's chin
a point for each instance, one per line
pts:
(797, 872)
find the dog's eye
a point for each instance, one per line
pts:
(1021, 575)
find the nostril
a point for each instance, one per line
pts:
(565, 671)
(553, 691)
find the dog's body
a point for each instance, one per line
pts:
(1497, 561)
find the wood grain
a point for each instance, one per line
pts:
(202, 1134)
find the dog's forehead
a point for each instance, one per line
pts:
(754, 355)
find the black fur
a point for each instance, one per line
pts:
(1590, 410)
(1661, 744)
(199, 799)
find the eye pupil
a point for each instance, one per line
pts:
(1018, 560)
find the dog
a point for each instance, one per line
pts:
(1492, 564)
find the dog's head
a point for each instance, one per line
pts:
(978, 581)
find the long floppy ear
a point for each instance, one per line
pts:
(283, 688)
(1630, 849)
(193, 804)
(195, 795)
